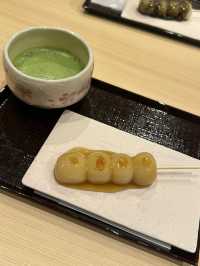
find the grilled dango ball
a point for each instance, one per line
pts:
(146, 7)
(122, 169)
(99, 167)
(185, 10)
(173, 9)
(161, 8)
(144, 169)
(70, 168)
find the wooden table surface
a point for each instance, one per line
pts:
(148, 64)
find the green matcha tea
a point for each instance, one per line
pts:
(48, 63)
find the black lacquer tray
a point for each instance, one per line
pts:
(115, 15)
(23, 130)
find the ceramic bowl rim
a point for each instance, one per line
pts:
(34, 79)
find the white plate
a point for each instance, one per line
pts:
(114, 4)
(169, 210)
(189, 28)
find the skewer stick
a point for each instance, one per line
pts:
(177, 168)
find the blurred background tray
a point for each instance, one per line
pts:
(125, 11)
(23, 130)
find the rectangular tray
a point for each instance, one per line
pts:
(23, 130)
(118, 16)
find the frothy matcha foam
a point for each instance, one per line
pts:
(48, 63)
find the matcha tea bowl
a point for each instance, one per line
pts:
(48, 67)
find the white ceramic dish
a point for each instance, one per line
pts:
(168, 211)
(189, 28)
